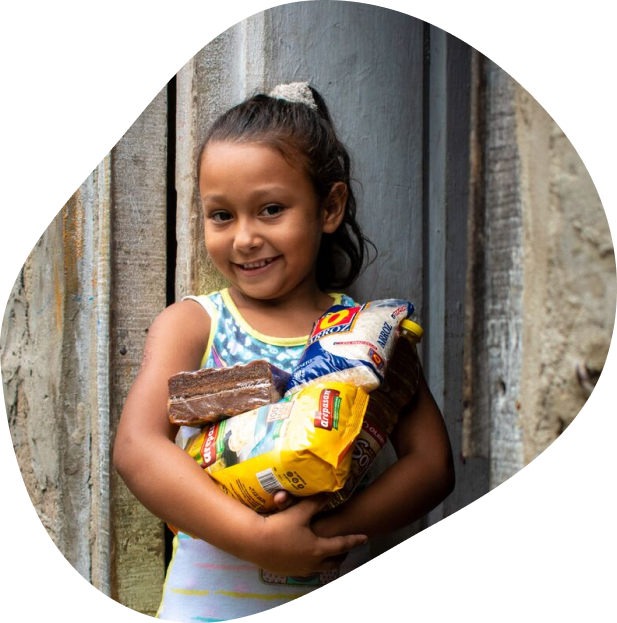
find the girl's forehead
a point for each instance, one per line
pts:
(244, 149)
(257, 157)
(243, 169)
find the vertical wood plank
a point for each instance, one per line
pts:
(222, 74)
(139, 169)
(100, 406)
(206, 86)
(504, 248)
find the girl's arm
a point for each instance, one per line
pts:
(421, 478)
(169, 483)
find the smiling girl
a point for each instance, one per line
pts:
(278, 208)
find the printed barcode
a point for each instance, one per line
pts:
(268, 481)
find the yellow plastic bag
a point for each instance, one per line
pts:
(300, 444)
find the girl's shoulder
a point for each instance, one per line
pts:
(183, 326)
(185, 314)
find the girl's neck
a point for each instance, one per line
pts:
(306, 296)
(291, 315)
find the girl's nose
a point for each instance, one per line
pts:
(247, 237)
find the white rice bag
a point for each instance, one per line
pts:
(351, 345)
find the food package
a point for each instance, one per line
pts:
(211, 394)
(385, 403)
(351, 345)
(300, 444)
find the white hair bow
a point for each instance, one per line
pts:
(298, 92)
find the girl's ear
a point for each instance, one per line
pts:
(334, 207)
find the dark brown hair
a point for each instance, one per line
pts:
(305, 137)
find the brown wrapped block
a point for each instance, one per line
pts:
(211, 394)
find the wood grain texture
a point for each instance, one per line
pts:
(139, 167)
(499, 347)
(206, 88)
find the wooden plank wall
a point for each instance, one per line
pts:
(139, 229)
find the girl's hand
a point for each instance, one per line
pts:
(322, 524)
(288, 546)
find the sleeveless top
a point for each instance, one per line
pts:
(204, 583)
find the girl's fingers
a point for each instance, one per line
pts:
(310, 506)
(339, 545)
(282, 499)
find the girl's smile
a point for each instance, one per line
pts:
(256, 267)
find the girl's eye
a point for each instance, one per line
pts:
(220, 217)
(272, 210)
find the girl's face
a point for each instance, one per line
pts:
(263, 222)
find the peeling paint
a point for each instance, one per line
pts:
(58, 298)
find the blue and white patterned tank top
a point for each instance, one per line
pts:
(204, 583)
(233, 340)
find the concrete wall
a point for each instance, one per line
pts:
(569, 283)
(55, 343)
(541, 283)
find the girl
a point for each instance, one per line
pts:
(279, 213)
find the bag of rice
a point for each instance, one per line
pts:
(351, 345)
(300, 444)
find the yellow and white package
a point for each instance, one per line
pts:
(300, 444)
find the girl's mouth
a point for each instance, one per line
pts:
(258, 267)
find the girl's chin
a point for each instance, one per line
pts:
(255, 291)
